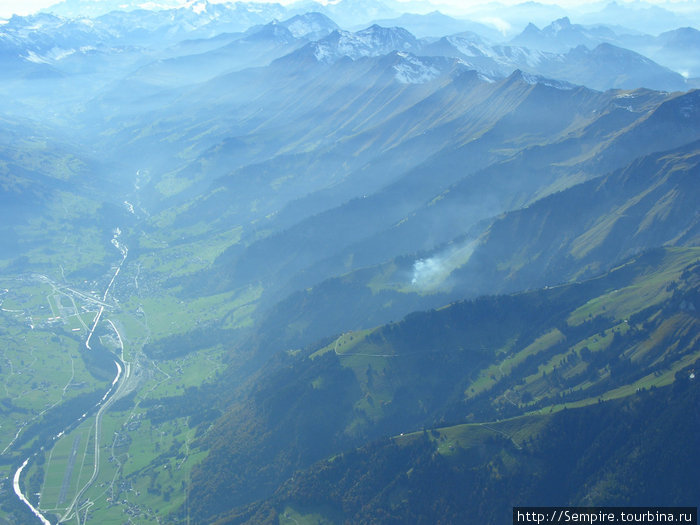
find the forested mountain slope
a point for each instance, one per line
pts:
(481, 360)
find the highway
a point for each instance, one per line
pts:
(110, 396)
(107, 401)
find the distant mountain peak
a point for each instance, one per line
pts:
(413, 70)
(312, 25)
(561, 23)
(377, 29)
(372, 41)
(273, 31)
(521, 76)
(559, 36)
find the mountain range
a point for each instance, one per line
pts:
(349, 264)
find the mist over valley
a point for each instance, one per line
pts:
(355, 262)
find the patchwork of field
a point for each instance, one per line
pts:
(52, 383)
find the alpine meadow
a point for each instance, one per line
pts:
(352, 262)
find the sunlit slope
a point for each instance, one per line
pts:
(576, 457)
(442, 212)
(447, 195)
(43, 175)
(651, 202)
(569, 235)
(374, 174)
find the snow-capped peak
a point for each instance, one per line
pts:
(310, 25)
(413, 70)
(370, 42)
(537, 79)
(559, 25)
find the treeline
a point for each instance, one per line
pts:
(300, 410)
(59, 418)
(581, 457)
(295, 415)
(198, 404)
(99, 361)
(180, 345)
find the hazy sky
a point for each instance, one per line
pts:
(24, 7)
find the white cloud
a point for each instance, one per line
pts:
(501, 25)
(25, 7)
(22, 7)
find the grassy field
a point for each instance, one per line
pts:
(490, 376)
(165, 257)
(62, 475)
(65, 239)
(647, 290)
(449, 439)
(44, 320)
(165, 315)
(41, 366)
(301, 515)
(567, 366)
(143, 466)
